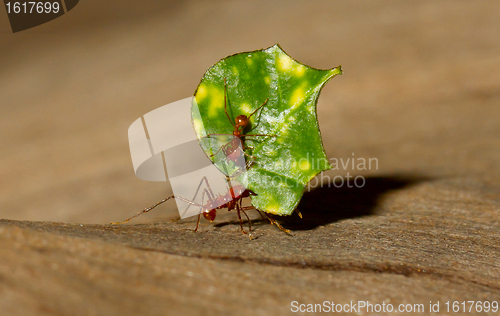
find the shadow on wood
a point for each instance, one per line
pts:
(333, 202)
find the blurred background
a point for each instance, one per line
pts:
(420, 91)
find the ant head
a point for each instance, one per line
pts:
(241, 121)
(210, 214)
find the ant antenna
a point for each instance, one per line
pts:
(152, 207)
(144, 211)
(225, 103)
(260, 107)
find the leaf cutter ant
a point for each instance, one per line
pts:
(232, 200)
(239, 124)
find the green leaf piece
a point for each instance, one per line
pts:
(292, 153)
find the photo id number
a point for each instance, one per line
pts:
(32, 7)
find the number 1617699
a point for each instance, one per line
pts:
(32, 7)
(472, 306)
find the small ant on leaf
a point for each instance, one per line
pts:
(239, 124)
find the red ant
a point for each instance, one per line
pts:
(231, 200)
(240, 123)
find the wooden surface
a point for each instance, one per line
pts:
(420, 93)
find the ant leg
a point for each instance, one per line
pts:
(298, 212)
(205, 192)
(196, 193)
(258, 135)
(249, 225)
(238, 210)
(225, 103)
(198, 222)
(216, 151)
(230, 188)
(247, 147)
(260, 213)
(223, 148)
(249, 156)
(243, 150)
(199, 213)
(273, 221)
(248, 164)
(249, 221)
